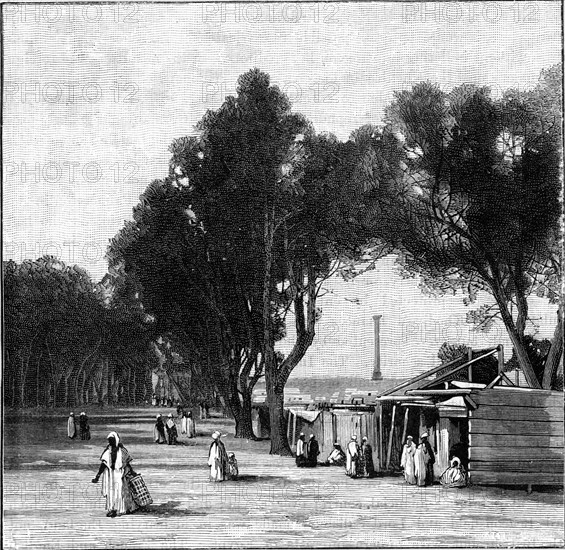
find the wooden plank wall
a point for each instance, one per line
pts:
(516, 437)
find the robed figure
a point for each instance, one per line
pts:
(313, 452)
(217, 459)
(71, 426)
(424, 460)
(352, 457)
(159, 430)
(114, 468)
(455, 475)
(366, 466)
(301, 451)
(407, 460)
(84, 426)
(336, 457)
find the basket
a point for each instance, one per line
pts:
(139, 491)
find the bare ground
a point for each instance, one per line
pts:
(50, 502)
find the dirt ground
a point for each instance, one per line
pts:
(50, 502)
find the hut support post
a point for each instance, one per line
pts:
(405, 425)
(293, 442)
(288, 428)
(389, 451)
(500, 358)
(470, 358)
(381, 463)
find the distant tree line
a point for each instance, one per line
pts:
(258, 210)
(67, 342)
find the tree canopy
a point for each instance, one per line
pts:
(471, 200)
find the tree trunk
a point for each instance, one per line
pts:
(555, 353)
(518, 343)
(244, 425)
(279, 442)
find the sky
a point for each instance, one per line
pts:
(94, 94)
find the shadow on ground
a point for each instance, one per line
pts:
(169, 509)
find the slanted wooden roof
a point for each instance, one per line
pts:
(422, 384)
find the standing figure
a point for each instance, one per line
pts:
(313, 451)
(431, 459)
(367, 468)
(154, 400)
(233, 470)
(207, 410)
(455, 475)
(159, 430)
(407, 460)
(84, 427)
(217, 459)
(71, 426)
(424, 459)
(300, 451)
(202, 410)
(180, 410)
(352, 457)
(336, 457)
(115, 467)
(172, 433)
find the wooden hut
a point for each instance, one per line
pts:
(504, 434)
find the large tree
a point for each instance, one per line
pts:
(472, 197)
(243, 231)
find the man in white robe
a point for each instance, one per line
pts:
(407, 460)
(217, 459)
(352, 457)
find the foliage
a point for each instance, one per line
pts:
(484, 371)
(472, 197)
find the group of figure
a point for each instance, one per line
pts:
(418, 465)
(84, 428)
(307, 452)
(204, 410)
(166, 431)
(161, 402)
(357, 459)
(124, 489)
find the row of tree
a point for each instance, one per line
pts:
(68, 342)
(258, 210)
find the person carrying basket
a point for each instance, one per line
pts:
(125, 491)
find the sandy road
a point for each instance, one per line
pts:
(49, 501)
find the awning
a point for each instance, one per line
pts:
(309, 416)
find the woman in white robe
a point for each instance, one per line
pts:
(407, 460)
(71, 426)
(352, 457)
(217, 459)
(116, 465)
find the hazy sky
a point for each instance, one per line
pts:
(94, 94)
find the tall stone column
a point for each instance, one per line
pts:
(377, 361)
